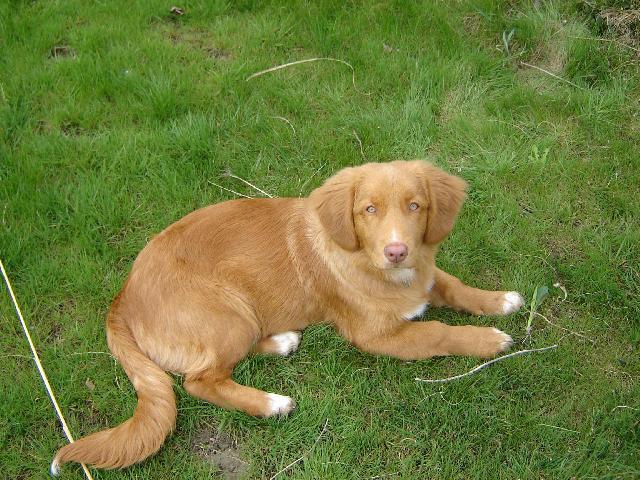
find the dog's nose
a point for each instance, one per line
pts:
(396, 252)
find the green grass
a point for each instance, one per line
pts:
(104, 147)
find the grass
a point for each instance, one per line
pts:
(110, 139)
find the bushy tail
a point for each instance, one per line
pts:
(153, 419)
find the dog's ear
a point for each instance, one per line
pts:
(446, 195)
(334, 203)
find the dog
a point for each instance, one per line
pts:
(249, 275)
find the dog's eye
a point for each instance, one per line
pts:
(413, 206)
(371, 209)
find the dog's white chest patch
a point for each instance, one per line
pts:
(418, 312)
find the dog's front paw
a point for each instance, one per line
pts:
(279, 405)
(511, 302)
(503, 340)
(494, 303)
(492, 342)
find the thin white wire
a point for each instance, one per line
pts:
(43, 375)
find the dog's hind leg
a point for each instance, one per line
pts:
(213, 382)
(279, 344)
(219, 389)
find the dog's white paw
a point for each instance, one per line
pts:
(279, 404)
(55, 468)
(505, 340)
(512, 302)
(286, 342)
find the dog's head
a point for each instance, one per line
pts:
(389, 209)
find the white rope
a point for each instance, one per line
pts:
(484, 365)
(43, 375)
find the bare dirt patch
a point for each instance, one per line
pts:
(70, 128)
(55, 333)
(62, 51)
(624, 22)
(218, 53)
(219, 450)
(197, 39)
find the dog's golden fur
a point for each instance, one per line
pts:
(230, 278)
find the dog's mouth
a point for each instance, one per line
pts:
(400, 274)
(392, 266)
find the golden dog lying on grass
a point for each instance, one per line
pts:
(248, 275)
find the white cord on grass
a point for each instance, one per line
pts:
(43, 375)
(484, 365)
(307, 60)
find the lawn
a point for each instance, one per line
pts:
(117, 118)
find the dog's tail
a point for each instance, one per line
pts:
(154, 417)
